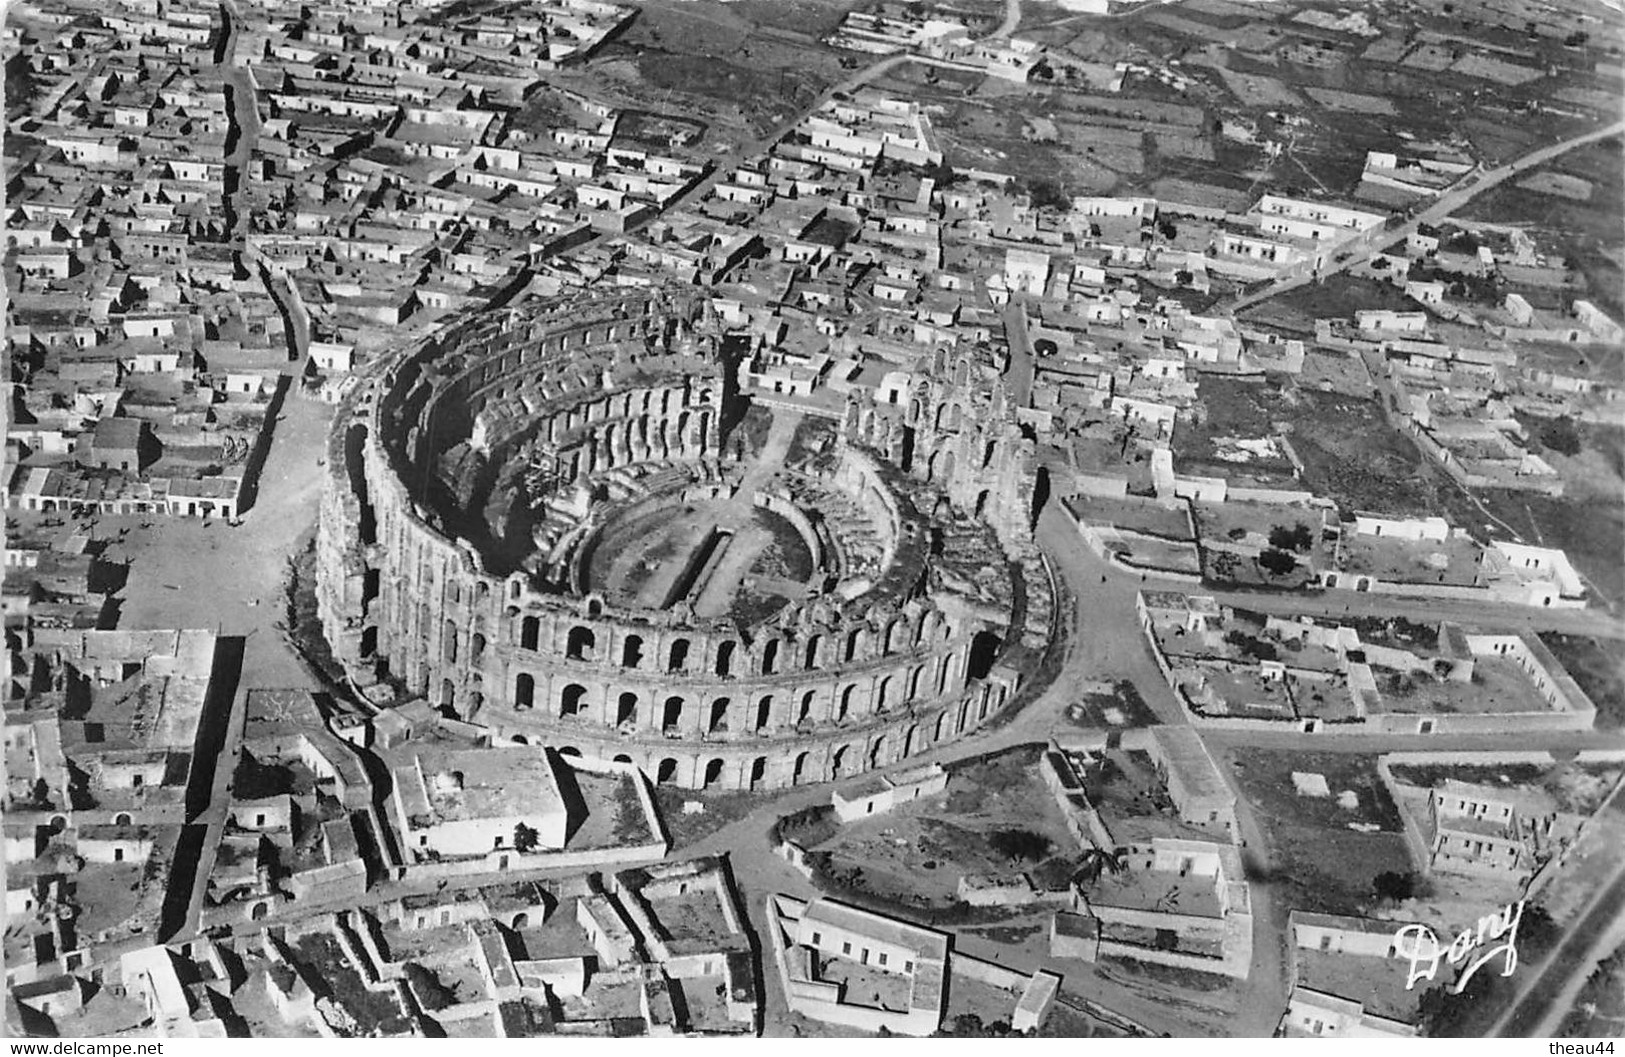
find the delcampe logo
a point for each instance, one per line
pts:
(1421, 946)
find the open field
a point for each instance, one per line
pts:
(996, 817)
(1598, 665)
(1351, 455)
(1325, 853)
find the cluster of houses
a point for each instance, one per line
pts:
(100, 770)
(407, 165)
(1231, 668)
(148, 355)
(654, 952)
(1163, 881)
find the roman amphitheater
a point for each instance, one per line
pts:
(566, 523)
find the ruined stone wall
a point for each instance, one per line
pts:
(830, 688)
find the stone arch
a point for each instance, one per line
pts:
(718, 720)
(666, 771)
(814, 643)
(476, 647)
(725, 657)
(798, 772)
(449, 641)
(631, 651)
(838, 762)
(581, 644)
(677, 656)
(847, 696)
(122, 819)
(883, 694)
(520, 921)
(897, 635)
(758, 772)
(909, 743)
(805, 712)
(984, 651)
(530, 633)
(626, 709)
(524, 691)
(572, 700)
(764, 712)
(622, 758)
(448, 693)
(856, 640)
(570, 750)
(770, 656)
(260, 912)
(713, 772)
(672, 714)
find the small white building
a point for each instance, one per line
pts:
(881, 793)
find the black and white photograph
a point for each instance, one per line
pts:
(617, 521)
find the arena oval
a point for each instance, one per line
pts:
(475, 478)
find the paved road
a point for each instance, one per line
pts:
(1019, 378)
(1458, 195)
(1012, 19)
(1333, 604)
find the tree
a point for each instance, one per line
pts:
(525, 839)
(1048, 194)
(1298, 538)
(1168, 230)
(1560, 435)
(1394, 885)
(1256, 648)
(1019, 845)
(1277, 562)
(1096, 861)
(1184, 277)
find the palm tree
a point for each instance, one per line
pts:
(1096, 861)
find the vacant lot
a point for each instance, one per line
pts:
(997, 817)
(1338, 297)
(1229, 410)
(1326, 852)
(1598, 665)
(1351, 455)
(1577, 787)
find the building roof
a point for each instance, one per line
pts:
(926, 943)
(1186, 756)
(118, 433)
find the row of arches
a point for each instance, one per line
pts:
(682, 653)
(676, 714)
(827, 761)
(690, 714)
